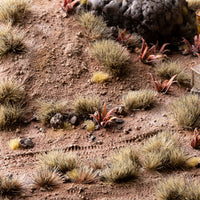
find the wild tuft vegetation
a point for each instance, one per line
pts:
(100, 77)
(141, 99)
(84, 105)
(14, 143)
(84, 175)
(168, 69)
(186, 110)
(112, 55)
(45, 178)
(11, 40)
(11, 93)
(10, 186)
(193, 4)
(12, 11)
(89, 125)
(95, 27)
(48, 109)
(163, 151)
(174, 188)
(124, 166)
(58, 161)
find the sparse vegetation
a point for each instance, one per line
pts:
(100, 77)
(11, 93)
(192, 162)
(11, 40)
(10, 116)
(186, 110)
(96, 164)
(139, 99)
(193, 4)
(95, 27)
(124, 166)
(13, 10)
(10, 186)
(84, 105)
(112, 55)
(175, 188)
(89, 124)
(45, 178)
(48, 109)
(163, 151)
(14, 143)
(168, 69)
(58, 160)
(83, 175)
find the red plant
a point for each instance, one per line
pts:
(163, 86)
(105, 118)
(148, 56)
(196, 140)
(68, 5)
(123, 37)
(193, 49)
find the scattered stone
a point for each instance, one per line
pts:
(57, 121)
(74, 120)
(26, 143)
(66, 179)
(121, 111)
(42, 130)
(97, 127)
(92, 138)
(18, 130)
(127, 131)
(119, 121)
(138, 128)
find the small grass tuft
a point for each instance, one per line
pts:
(100, 77)
(11, 40)
(10, 186)
(13, 10)
(186, 110)
(124, 166)
(11, 93)
(168, 69)
(84, 105)
(58, 160)
(84, 175)
(193, 4)
(48, 109)
(192, 162)
(174, 188)
(112, 55)
(141, 99)
(45, 178)
(14, 143)
(96, 164)
(95, 27)
(89, 124)
(10, 116)
(163, 151)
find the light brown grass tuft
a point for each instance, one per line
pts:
(45, 178)
(14, 143)
(10, 186)
(84, 175)
(10, 116)
(11, 40)
(95, 27)
(85, 105)
(193, 4)
(11, 93)
(124, 166)
(112, 55)
(96, 164)
(168, 69)
(13, 10)
(174, 188)
(139, 99)
(186, 110)
(58, 160)
(100, 77)
(163, 151)
(48, 109)
(89, 124)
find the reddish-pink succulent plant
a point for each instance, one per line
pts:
(68, 5)
(196, 140)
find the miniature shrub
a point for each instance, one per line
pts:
(14, 144)
(95, 27)
(58, 160)
(174, 188)
(186, 110)
(168, 69)
(163, 151)
(13, 10)
(100, 77)
(11, 40)
(11, 93)
(124, 166)
(89, 124)
(139, 99)
(84, 105)
(112, 55)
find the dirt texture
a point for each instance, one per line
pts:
(57, 65)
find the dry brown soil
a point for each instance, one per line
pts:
(57, 65)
